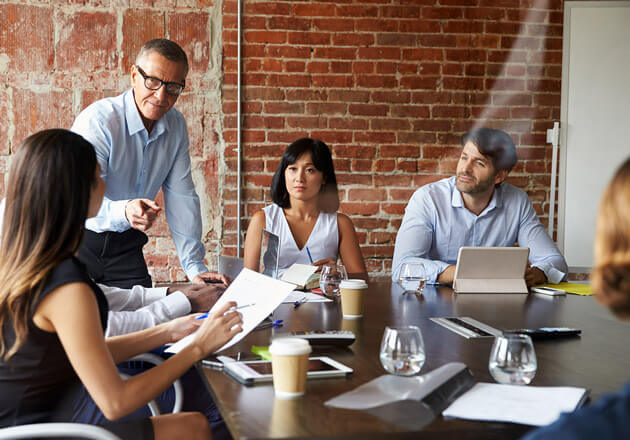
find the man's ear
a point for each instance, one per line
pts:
(500, 177)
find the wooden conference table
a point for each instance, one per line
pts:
(599, 361)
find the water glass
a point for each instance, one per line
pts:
(330, 278)
(402, 350)
(513, 359)
(412, 277)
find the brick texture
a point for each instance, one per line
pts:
(388, 85)
(59, 56)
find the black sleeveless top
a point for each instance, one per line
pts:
(38, 382)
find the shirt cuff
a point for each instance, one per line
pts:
(153, 294)
(177, 304)
(118, 216)
(554, 276)
(195, 270)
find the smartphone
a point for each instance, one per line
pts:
(549, 291)
(547, 332)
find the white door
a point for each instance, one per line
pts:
(595, 121)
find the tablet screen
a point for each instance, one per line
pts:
(313, 365)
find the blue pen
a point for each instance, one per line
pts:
(274, 324)
(309, 255)
(298, 303)
(205, 315)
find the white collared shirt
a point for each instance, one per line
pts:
(136, 164)
(436, 224)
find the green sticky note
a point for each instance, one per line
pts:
(262, 351)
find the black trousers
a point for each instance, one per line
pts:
(115, 258)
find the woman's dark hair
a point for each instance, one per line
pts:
(47, 201)
(495, 144)
(322, 160)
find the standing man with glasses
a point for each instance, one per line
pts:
(141, 143)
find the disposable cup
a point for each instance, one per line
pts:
(352, 296)
(289, 362)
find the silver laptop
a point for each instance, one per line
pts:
(491, 270)
(269, 252)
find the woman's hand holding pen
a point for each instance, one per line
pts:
(218, 328)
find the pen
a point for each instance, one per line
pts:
(276, 323)
(299, 302)
(205, 315)
(310, 257)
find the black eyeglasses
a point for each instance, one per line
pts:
(152, 83)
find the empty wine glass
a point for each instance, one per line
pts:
(513, 359)
(412, 277)
(331, 276)
(402, 350)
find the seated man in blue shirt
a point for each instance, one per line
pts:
(475, 208)
(141, 143)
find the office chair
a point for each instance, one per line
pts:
(58, 430)
(81, 430)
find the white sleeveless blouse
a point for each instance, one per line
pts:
(322, 243)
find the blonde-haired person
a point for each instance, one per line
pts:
(607, 419)
(52, 315)
(304, 213)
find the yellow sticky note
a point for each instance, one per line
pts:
(574, 288)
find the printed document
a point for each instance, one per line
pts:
(527, 405)
(258, 295)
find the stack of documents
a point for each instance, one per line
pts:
(527, 405)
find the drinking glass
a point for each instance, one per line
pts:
(513, 359)
(330, 278)
(402, 350)
(412, 277)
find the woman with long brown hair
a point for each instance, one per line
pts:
(53, 316)
(608, 419)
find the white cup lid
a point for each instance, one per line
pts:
(290, 346)
(353, 284)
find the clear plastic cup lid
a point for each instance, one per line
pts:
(290, 346)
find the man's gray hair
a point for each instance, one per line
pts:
(167, 48)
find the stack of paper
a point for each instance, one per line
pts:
(259, 293)
(516, 404)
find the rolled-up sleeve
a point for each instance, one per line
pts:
(183, 212)
(415, 237)
(543, 253)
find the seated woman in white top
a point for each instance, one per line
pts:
(304, 214)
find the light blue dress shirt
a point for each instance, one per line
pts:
(135, 164)
(436, 224)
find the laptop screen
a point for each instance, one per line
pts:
(269, 251)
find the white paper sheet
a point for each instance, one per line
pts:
(298, 274)
(528, 405)
(249, 287)
(297, 295)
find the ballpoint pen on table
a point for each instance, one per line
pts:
(310, 257)
(205, 315)
(299, 302)
(274, 324)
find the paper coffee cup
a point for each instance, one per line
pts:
(289, 362)
(352, 294)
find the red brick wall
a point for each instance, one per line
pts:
(58, 56)
(390, 86)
